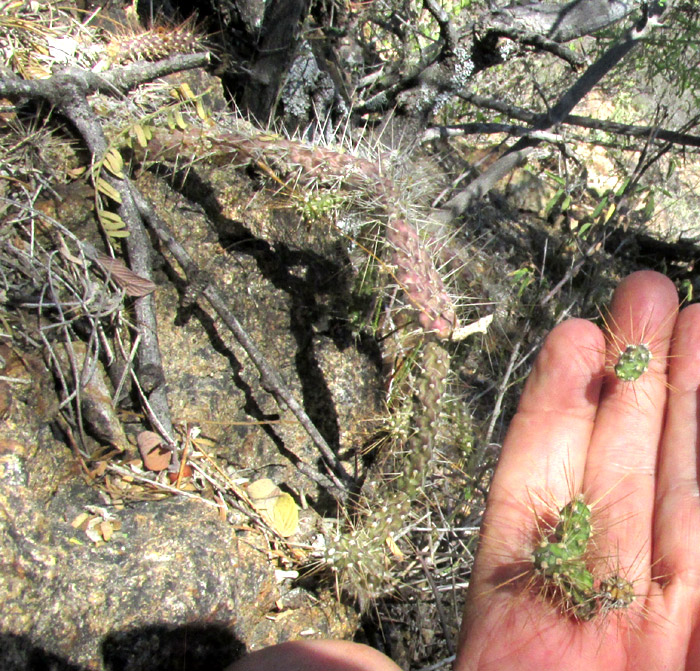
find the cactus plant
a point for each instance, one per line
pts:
(565, 568)
(615, 592)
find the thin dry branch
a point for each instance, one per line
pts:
(340, 481)
(517, 155)
(627, 130)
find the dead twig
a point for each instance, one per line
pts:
(340, 481)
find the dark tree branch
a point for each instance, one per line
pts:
(521, 114)
(117, 80)
(275, 53)
(447, 31)
(542, 44)
(518, 154)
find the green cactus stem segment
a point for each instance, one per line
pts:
(580, 596)
(554, 559)
(574, 526)
(633, 362)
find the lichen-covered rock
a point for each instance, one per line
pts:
(174, 586)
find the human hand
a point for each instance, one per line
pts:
(632, 449)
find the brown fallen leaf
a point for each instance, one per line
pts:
(133, 284)
(155, 456)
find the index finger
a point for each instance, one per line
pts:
(545, 451)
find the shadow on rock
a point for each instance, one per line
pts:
(194, 647)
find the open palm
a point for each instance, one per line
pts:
(632, 448)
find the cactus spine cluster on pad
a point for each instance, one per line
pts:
(566, 574)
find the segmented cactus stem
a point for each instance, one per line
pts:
(363, 557)
(566, 573)
(415, 272)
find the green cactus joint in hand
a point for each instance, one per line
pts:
(574, 526)
(553, 559)
(633, 362)
(581, 599)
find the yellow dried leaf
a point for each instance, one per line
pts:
(111, 221)
(106, 530)
(394, 549)
(112, 160)
(609, 213)
(80, 520)
(186, 91)
(262, 490)
(179, 120)
(103, 186)
(74, 173)
(201, 112)
(121, 233)
(141, 135)
(284, 515)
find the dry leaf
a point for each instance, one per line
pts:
(80, 520)
(103, 186)
(156, 457)
(284, 515)
(133, 284)
(394, 549)
(278, 508)
(106, 530)
(261, 491)
(92, 530)
(112, 160)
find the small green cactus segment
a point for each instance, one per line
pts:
(574, 526)
(561, 563)
(580, 597)
(633, 362)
